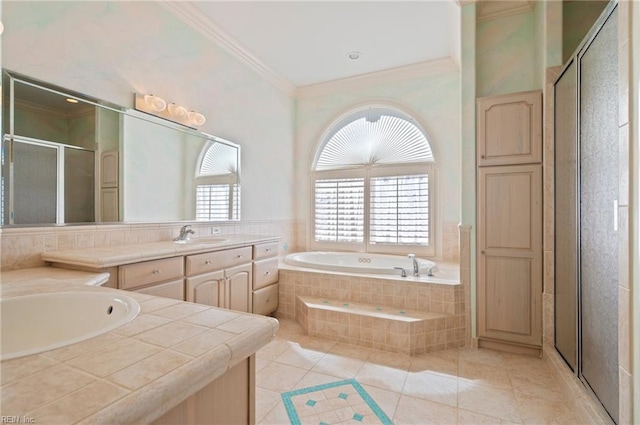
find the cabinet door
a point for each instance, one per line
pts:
(510, 129)
(238, 290)
(206, 289)
(510, 254)
(109, 169)
(174, 289)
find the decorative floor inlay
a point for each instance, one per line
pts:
(334, 403)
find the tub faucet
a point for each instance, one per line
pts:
(416, 269)
(185, 231)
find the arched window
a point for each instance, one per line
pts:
(372, 185)
(217, 182)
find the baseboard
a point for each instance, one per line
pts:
(509, 347)
(587, 409)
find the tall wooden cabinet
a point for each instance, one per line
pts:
(509, 179)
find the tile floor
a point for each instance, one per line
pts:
(462, 386)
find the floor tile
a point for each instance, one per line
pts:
(279, 377)
(415, 411)
(488, 400)
(465, 386)
(383, 377)
(437, 387)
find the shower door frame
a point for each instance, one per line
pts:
(576, 57)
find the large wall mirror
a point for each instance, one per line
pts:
(69, 158)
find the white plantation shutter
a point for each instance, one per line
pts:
(339, 210)
(399, 210)
(217, 202)
(371, 184)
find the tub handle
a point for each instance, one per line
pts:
(403, 272)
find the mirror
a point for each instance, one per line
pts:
(69, 158)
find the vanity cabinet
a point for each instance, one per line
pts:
(242, 278)
(265, 278)
(230, 399)
(220, 279)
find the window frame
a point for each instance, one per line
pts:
(367, 172)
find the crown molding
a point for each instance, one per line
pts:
(420, 69)
(490, 10)
(192, 16)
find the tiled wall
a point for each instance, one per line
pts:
(421, 297)
(21, 247)
(450, 250)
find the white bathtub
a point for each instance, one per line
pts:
(359, 262)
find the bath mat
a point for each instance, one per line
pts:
(333, 403)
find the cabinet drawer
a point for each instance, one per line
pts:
(265, 300)
(173, 289)
(148, 272)
(265, 250)
(211, 261)
(265, 273)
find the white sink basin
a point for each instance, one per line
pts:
(201, 241)
(35, 323)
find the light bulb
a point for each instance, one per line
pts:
(155, 103)
(177, 111)
(196, 118)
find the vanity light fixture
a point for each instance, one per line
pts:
(196, 118)
(177, 111)
(155, 105)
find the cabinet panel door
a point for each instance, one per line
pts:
(265, 273)
(510, 254)
(510, 129)
(207, 289)
(174, 289)
(508, 296)
(238, 291)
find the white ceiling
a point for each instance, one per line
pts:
(308, 42)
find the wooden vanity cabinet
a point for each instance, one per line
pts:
(265, 278)
(221, 279)
(230, 399)
(163, 278)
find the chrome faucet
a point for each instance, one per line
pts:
(185, 231)
(416, 269)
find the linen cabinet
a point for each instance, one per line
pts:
(509, 211)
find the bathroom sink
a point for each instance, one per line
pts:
(40, 322)
(201, 241)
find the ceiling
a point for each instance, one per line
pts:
(308, 42)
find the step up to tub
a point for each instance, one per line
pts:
(383, 328)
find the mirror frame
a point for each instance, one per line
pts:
(7, 116)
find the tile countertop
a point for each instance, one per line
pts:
(108, 256)
(133, 374)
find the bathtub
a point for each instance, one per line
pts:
(359, 262)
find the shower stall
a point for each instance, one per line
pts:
(586, 194)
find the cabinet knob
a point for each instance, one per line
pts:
(155, 271)
(207, 262)
(482, 156)
(267, 302)
(482, 252)
(267, 273)
(268, 250)
(239, 255)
